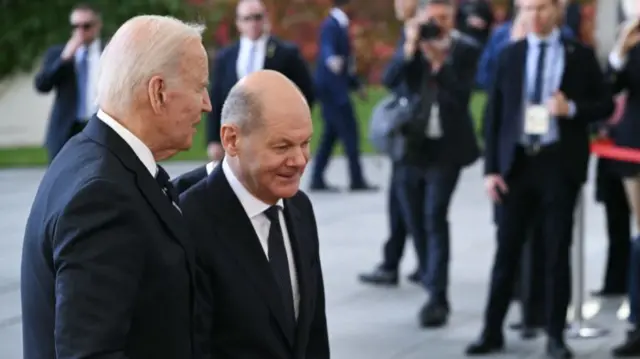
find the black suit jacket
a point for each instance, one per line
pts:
(60, 76)
(108, 267)
(452, 87)
(582, 82)
(627, 131)
(186, 180)
(246, 318)
(280, 56)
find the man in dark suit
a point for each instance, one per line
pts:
(386, 273)
(108, 267)
(546, 91)
(256, 50)
(255, 232)
(71, 70)
(335, 78)
(438, 69)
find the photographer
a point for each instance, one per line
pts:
(439, 70)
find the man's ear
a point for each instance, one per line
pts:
(230, 139)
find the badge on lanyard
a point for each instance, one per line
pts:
(536, 120)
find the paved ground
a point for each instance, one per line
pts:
(365, 322)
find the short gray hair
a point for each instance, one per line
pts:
(241, 108)
(143, 47)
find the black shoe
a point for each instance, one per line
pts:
(434, 314)
(380, 276)
(363, 187)
(486, 345)
(608, 293)
(415, 277)
(321, 187)
(557, 349)
(630, 348)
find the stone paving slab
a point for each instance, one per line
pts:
(364, 322)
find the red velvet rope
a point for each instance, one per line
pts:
(607, 149)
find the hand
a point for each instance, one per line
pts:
(496, 187)
(629, 37)
(215, 151)
(335, 63)
(436, 56)
(476, 22)
(519, 29)
(72, 46)
(558, 105)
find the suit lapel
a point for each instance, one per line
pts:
(237, 233)
(269, 54)
(171, 218)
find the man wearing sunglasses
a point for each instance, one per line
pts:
(71, 70)
(256, 50)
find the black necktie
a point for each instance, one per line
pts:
(536, 97)
(162, 177)
(538, 85)
(279, 263)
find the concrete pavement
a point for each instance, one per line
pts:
(364, 322)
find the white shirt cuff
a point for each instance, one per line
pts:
(572, 109)
(616, 61)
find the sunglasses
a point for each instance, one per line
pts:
(84, 26)
(252, 17)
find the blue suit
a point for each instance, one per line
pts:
(335, 103)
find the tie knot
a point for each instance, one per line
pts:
(543, 45)
(272, 213)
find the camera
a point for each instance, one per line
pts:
(430, 30)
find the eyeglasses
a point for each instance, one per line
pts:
(83, 25)
(252, 17)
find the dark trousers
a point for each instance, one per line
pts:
(339, 123)
(394, 247)
(633, 285)
(425, 195)
(535, 182)
(610, 191)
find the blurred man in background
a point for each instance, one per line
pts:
(475, 19)
(256, 50)
(439, 70)
(546, 91)
(387, 272)
(335, 78)
(72, 71)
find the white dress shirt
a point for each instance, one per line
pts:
(210, 166)
(94, 51)
(139, 148)
(244, 55)
(261, 224)
(340, 16)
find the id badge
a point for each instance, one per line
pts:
(536, 120)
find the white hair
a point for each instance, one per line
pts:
(143, 47)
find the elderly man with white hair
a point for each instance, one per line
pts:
(107, 265)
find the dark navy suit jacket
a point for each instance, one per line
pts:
(334, 88)
(582, 82)
(108, 268)
(60, 76)
(245, 317)
(281, 56)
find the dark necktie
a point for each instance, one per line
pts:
(162, 177)
(538, 86)
(279, 263)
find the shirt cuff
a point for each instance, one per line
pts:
(572, 109)
(616, 61)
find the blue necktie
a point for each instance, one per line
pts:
(82, 75)
(251, 59)
(536, 97)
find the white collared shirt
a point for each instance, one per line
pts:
(210, 166)
(261, 224)
(244, 55)
(340, 16)
(139, 148)
(94, 50)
